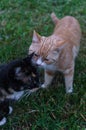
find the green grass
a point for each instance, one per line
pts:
(50, 109)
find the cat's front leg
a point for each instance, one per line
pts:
(48, 78)
(3, 121)
(68, 75)
(5, 109)
(4, 113)
(10, 110)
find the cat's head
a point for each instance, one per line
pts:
(24, 74)
(46, 51)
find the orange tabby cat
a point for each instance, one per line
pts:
(58, 51)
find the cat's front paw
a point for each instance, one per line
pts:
(69, 90)
(10, 109)
(43, 86)
(3, 121)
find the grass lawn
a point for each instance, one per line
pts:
(50, 109)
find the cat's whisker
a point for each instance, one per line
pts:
(20, 98)
(26, 94)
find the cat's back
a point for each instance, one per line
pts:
(68, 28)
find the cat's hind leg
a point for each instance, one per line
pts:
(68, 75)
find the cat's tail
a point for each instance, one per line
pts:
(54, 18)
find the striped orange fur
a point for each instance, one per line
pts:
(58, 51)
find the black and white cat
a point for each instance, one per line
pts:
(16, 78)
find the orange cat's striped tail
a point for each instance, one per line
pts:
(54, 18)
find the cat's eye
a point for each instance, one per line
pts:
(46, 59)
(27, 73)
(36, 55)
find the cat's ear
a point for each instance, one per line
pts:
(61, 45)
(36, 37)
(17, 71)
(27, 60)
(31, 55)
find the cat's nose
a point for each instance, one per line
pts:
(39, 62)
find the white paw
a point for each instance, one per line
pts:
(43, 86)
(3, 121)
(69, 90)
(10, 109)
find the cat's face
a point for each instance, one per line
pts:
(25, 75)
(45, 52)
